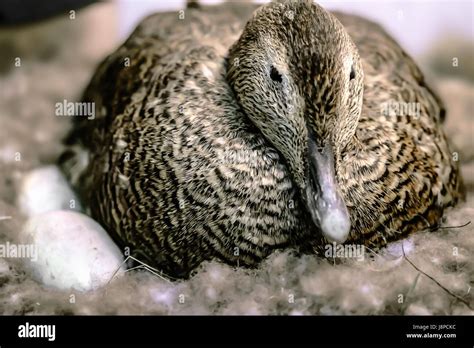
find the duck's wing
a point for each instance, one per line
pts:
(158, 44)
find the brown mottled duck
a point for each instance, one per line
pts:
(227, 132)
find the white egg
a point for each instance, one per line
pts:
(72, 251)
(46, 189)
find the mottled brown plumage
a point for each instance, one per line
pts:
(218, 143)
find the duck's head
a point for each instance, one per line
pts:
(297, 74)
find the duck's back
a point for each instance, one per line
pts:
(161, 44)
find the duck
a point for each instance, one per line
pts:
(231, 131)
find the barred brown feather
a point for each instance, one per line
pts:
(178, 171)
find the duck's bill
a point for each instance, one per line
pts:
(322, 196)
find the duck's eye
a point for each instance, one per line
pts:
(275, 75)
(352, 74)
